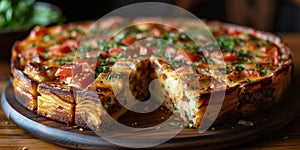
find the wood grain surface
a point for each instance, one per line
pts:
(150, 130)
(13, 137)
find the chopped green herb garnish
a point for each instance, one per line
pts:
(243, 52)
(190, 125)
(226, 42)
(207, 88)
(239, 68)
(197, 64)
(247, 80)
(44, 68)
(213, 128)
(169, 36)
(186, 116)
(257, 65)
(103, 103)
(263, 71)
(234, 63)
(268, 43)
(228, 70)
(75, 30)
(248, 60)
(228, 50)
(33, 45)
(210, 62)
(102, 69)
(207, 71)
(49, 38)
(108, 76)
(175, 108)
(86, 48)
(203, 59)
(56, 79)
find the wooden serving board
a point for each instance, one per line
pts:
(224, 135)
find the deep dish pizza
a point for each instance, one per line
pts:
(80, 73)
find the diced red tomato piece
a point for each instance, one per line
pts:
(60, 49)
(129, 40)
(229, 57)
(39, 31)
(115, 51)
(190, 57)
(68, 70)
(233, 32)
(33, 51)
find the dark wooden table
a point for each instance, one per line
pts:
(13, 137)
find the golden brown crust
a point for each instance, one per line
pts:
(256, 97)
(25, 90)
(56, 102)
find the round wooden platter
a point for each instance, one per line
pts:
(224, 135)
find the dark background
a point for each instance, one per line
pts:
(270, 15)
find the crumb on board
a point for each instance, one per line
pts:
(80, 129)
(6, 123)
(24, 148)
(134, 124)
